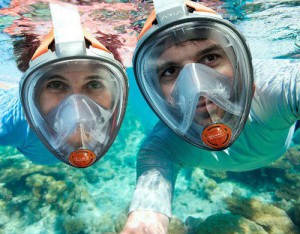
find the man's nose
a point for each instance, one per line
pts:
(188, 61)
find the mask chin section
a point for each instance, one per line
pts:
(217, 136)
(82, 158)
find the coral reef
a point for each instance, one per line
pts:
(289, 188)
(218, 176)
(196, 179)
(290, 160)
(74, 225)
(278, 185)
(229, 224)
(271, 218)
(59, 196)
(176, 226)
(294, 213)
(208, 188)
(121, 221)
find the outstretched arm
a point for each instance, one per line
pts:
(156, 171)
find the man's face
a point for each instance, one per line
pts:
(206, 52)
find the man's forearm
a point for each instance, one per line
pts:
(153, 193)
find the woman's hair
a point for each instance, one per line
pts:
(24, 48)
(26, 45)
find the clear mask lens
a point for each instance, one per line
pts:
(76, 104)
(78, 118)
(195, 75)
(201, 89)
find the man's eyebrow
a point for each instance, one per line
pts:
(164, 65)
(210, 49)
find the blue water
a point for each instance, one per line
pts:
(60, 199)
(4, 3)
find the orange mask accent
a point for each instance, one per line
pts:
(49, 38)
(82, 158)
(216, 136)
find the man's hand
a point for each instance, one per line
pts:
(146, 222)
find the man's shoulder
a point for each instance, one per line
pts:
(162, 131)
(275, 69)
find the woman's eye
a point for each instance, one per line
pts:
(95, 85)
(57, 85)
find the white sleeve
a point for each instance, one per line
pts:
(276, 103)
(153, 193)
(156, 173)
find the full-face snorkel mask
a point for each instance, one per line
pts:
(194, 69)
(74, 97)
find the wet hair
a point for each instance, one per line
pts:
(111, 42)
(24, 48)
(26, 45)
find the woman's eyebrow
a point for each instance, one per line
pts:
(94, 77)
(56, 77)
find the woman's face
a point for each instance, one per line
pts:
(206, 52)
(95, 85)
(58, 87)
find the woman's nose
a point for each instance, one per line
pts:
(76, 90)
(79, 138)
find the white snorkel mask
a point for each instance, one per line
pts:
(75, 96)
(194, 69)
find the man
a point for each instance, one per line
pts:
(195, 71)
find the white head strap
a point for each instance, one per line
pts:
(66, 23)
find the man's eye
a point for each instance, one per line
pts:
(169, 74)
(210, 59)
(169, 71)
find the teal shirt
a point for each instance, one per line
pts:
(266, 135)
(14, 130)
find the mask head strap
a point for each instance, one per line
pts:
(67, 32)
(163, 13)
